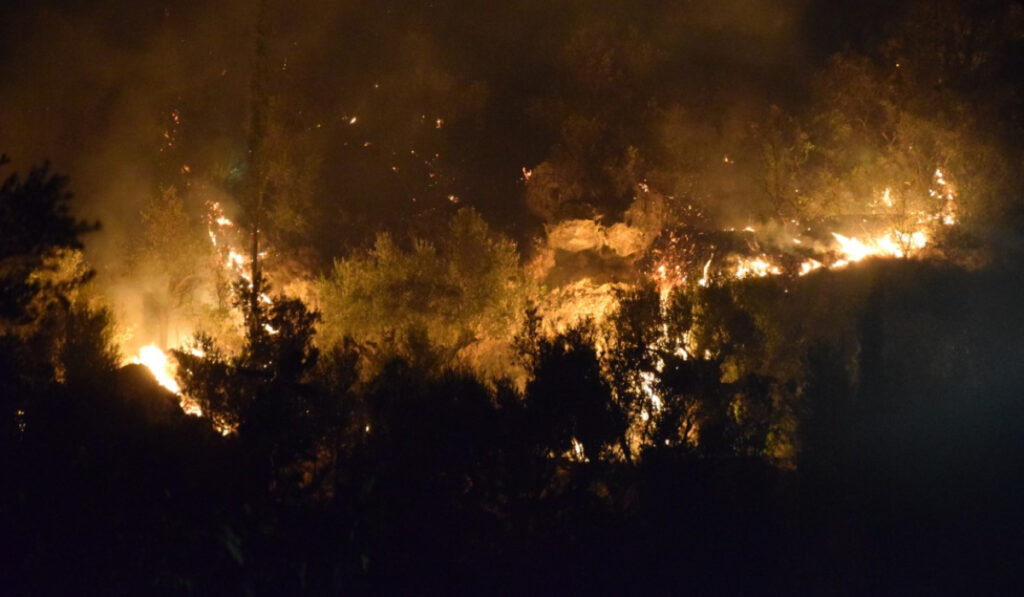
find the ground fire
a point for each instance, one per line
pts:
(377, 297)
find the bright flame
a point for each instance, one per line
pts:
(758, 267)
(164, 370)
(948, 193)
(890, 244)
(235, 260)
(647, 385)
(809, 266)
(577, 450)
(703, 282)
(853, 249)
(159, 365)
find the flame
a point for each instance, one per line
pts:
(235, 260)
(889, 244)
(758, 267)
(703, 282)
(577, 451)
(159, 365)
(809, 266)
(165, 371)
(647, 384)
(947, 192)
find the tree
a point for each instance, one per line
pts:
(568, 402)
(265, 392)
(784, 149)
(636, 340)
(462, 296)
(50, 334)
(599, 150)
(172, 258)
(35, 223)
(894, 126)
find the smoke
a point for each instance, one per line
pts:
(94, 89)
(389, 112)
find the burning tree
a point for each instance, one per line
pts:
(264, 392)
(901, 132)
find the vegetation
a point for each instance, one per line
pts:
(865, 414)
(458, 300)
(414, 428)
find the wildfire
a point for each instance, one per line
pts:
(890, 244)
(758, 267)
(809, 266)
(948, 194)
(235, 260)
(908, 232)
(159, 365)
(165, 371)
(223, 236)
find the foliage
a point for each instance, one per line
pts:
(462, 296)
(596, 159)
(51, 332)
(843, 432)
(568, 401)
(172, 261)
(687, 370)
(264, 392)
(35, 223)
(784, 149)
(891, 118)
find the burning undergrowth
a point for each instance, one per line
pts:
(462, 298)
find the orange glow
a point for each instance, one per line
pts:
(159, 365)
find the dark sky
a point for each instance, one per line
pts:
(451, 99)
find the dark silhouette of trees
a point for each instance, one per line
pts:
(568, 400)
(265, 392)
(43, 322)
(35, 223)
(851, 431)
